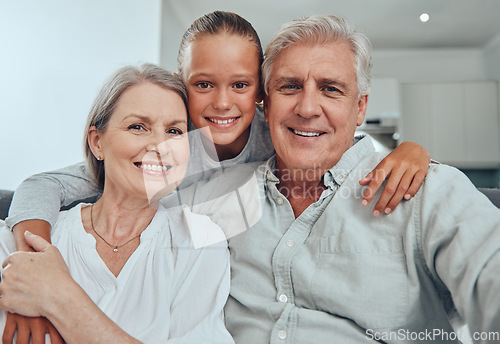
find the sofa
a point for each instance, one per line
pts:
(6, 197)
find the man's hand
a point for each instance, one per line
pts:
(405, 168)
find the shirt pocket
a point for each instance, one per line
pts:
(362, 279)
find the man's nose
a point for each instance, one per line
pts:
(308, 103)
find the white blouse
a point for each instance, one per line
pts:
(168, 290)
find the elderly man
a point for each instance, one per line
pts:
(313, 267)
(317, 269)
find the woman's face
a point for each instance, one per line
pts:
(222, 76)
(145, 146)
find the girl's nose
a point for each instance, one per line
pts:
(222, 100)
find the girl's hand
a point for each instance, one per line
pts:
(26, 327)
(405, 167)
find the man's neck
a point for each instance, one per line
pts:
(301, 187)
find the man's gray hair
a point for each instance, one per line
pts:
(107, 99)
(321, 29)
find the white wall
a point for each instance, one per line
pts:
(429, 65)
(55, 55)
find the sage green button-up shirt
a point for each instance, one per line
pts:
(336, 274)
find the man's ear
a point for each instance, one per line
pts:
(94, 142)
(265, 99)
(260, 96)
(362, 105)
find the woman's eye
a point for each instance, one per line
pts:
(136, 127)
(174, 131)
(203, 85)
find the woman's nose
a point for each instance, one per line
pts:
(160, 147)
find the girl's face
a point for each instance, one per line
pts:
(144, 146)
(222, 76)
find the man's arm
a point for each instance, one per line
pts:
(460, 242)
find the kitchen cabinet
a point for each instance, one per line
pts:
(458, 123)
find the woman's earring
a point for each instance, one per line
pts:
(98, 158)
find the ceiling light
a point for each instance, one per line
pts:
(424, 17)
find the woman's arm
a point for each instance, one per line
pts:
(405, 167)
(35, 207)
(39, 284)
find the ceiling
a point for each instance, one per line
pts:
(390, 24)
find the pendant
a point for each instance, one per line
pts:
(115, 249)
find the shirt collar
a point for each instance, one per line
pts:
(333, 178)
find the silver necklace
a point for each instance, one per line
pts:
(115, 247)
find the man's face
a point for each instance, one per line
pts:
(313, 106)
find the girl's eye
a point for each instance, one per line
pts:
(174, 131)
(203, 85)
(136, 127)
(240, 85)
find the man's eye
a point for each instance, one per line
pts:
(203, 85)
(289, 88)
(331, 89)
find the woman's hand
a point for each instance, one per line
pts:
(405, 167)
(27, 327)
(39, 284)
(29, 279)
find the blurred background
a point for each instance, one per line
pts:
(435, 81)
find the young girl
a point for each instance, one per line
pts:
(219, 59)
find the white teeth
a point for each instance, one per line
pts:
(305, 133)
(218, 121)
(156, 168)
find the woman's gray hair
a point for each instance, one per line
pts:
(321, 29)
(107, 99)
(215, 23)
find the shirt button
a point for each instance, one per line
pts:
(281, 334)
(279, 200)
(283, 298)
(290, 243)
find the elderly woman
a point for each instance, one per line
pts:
(135, 260)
